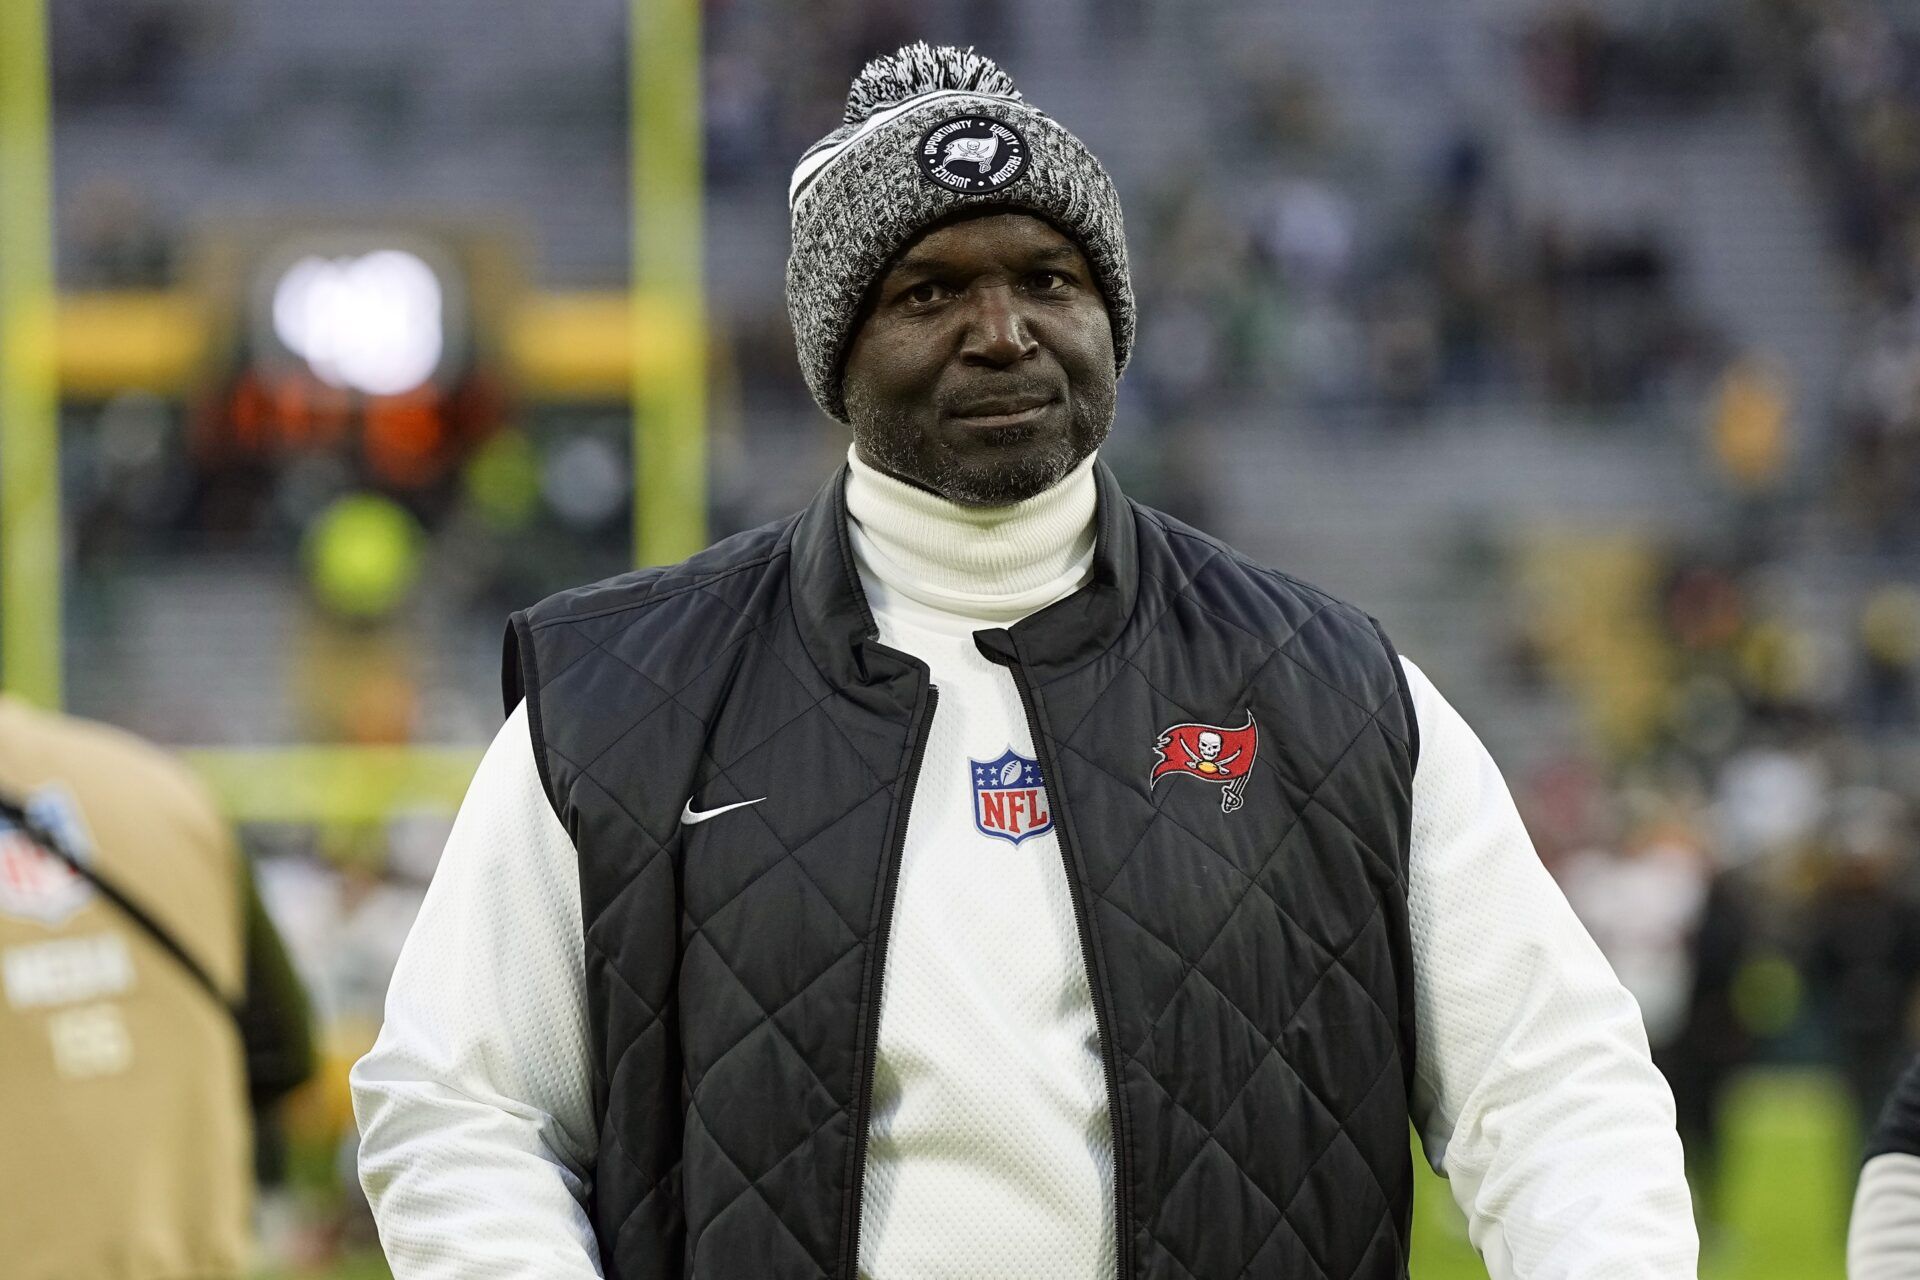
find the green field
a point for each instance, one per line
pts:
(1789, 1183)
(1788, 1187)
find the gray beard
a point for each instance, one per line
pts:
(888, 442)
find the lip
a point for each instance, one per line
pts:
(1003, 413)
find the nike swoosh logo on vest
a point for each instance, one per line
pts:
(688, 816)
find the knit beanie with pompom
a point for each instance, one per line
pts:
(929, 132)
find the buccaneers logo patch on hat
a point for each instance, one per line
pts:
(972, 154)
(1211, 753)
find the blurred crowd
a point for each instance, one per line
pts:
(1279, 263)
(1742, 833)
(1746, 852)
(1856, 87)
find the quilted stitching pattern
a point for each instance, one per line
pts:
(1253, 962)
(733, 1167)
(1223, 1189)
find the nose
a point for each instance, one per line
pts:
(997, 334)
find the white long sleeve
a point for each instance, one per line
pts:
(1883, 1237)
(1534, 1090)
(1535, 1094)
(476, 1129)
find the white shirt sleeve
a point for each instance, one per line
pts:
(1883, 1238)
(477, 1136)
(1534, 1091)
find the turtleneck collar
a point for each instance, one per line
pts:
(986, 565)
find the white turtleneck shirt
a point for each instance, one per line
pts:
(990, 1151)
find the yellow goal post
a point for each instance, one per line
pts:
(664, 374)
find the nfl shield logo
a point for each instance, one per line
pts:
(35, 885)
(1009, 800)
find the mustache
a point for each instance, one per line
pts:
(997, 396)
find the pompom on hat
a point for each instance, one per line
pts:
(929, 132)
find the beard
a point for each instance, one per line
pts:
(990, 467)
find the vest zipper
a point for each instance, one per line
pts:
(863, 1118)
(1122, 1164)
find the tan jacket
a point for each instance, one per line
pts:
(123, 1091)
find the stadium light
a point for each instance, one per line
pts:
(374, 323)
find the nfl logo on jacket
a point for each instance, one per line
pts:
(1009, 802)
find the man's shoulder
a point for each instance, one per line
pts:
(1189, 560)
(642, 618)
(1339, 645)
(725, 569)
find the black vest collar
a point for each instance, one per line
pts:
(838, 628)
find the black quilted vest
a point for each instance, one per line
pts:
(1251, 970)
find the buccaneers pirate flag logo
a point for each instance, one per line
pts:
(1211, 753)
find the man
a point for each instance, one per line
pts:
(136, 1029)
(978, 874)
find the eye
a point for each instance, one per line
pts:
(1048, 281)
(923, 294)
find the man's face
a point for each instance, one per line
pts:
(984, 368)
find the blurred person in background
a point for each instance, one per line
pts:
(1642, 902)
(738, 960)
(1676, 927)
(150, 1011)
(1863, 949)
(1713, 1042)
